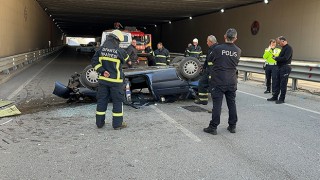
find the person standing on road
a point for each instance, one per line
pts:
(205, 77)
(284, 70)
(133, 53)
(150, 56)
(225, 58)
(161, 55)
(194, 50)
(270, 64)
(186, 52)
(108, 61)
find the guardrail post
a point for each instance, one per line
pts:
(294, 84)
(245, 76)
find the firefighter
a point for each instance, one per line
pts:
(194, 50)
(161, 55)
(225, 58)
(270, 64)
(150, 56)
(205, 77)
(186, 52)
(108, 61)
(133, 53)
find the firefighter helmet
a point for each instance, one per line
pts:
(118, 35)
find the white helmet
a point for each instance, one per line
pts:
(118, 34)
(195, 40)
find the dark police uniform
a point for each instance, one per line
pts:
(133, 54)
(225, 58)
(110, 58)
(284, 70)
(194, 51)
(161, 57)
(205, 78)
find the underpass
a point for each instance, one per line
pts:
(56, 140)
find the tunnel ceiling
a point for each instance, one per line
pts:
(91, 17)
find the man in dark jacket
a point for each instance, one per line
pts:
(205, 76)
(108, 61)
(283, 71)
(194, 50)
(133, 53)
(225, 58)
(161, 55)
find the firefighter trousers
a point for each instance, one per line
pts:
(203, 86)
(106, 93)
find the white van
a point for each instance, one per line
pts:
(124, 44)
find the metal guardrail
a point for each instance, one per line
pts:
(309, 71)
(11, 63)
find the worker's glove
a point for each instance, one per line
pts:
(264, 66)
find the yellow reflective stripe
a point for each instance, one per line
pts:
(168, 60)
(162, 56)
(100, 113)
(117, 61)
(209, 77)
(210, 63)
(126, 58)
(203, 94)
(196, 52)
(203, 99)
(117, 114)
(161, 64)
(97, 66)
(110, 79)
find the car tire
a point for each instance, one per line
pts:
(177, 59)
(89, 78)
(190, 68)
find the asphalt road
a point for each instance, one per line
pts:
(54, 140)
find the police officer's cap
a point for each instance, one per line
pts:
(231, 33)
(118, 35)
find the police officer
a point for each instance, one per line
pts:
(205, 77)
(225, 58)
(194, 50)
(133, 53)
(270, 64)
(108, 61)
(161, 55)
(284, 70)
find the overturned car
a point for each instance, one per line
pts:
(141, 84)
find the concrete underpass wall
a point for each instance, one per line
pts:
(24, 26)
(298, 21)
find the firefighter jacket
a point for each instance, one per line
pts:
(133, 53)
(269, 54)
(194, 51)
(110, 57)
(207, 62)
(225, 58)
(161, 57)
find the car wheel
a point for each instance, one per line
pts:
(177, 59)
(190, 68)
(89, 78)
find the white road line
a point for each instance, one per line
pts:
(177, 125)
(290, 105)
(6, 122)
(17, 91)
